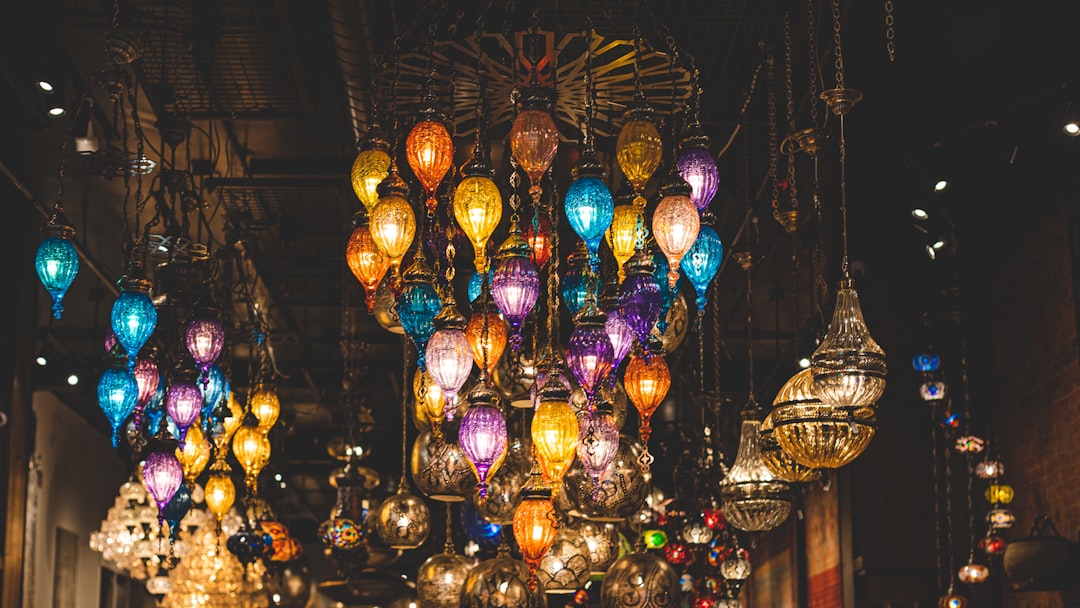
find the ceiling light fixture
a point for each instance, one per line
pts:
(57, 111)
(938, 244)
(940, 185)
(919, 213)
(931, 252)
(45, 86)
(73, 379)
(1071, 128)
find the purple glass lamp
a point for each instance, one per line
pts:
(618, 330)
(483, 436)
(697, 166)
(205, 338)
(639, 296)
(449, 358)
(589, 353)
(515, 284)
(598, 443)
(162, 475)
(183, 400)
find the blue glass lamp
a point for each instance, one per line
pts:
(702, 261)
(418, 305)
(56, 261)
(667, 293)
(133, 314)
(215, 388)
(589, 204)
(926, 363)
(117, 394)
(575, 283)
(476, 283)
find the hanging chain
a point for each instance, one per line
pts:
(590, 91)
(750, 321)
(890, 32)
(515, 198)
(449, 546)
(812, 60)
(716, 343)
(637, 59)
(793, 192)
(968, 455)
(843, 199)
(404, 410)
(836, 42)
(934, 433)
(553, 266)
(950, 568)
(770, 72)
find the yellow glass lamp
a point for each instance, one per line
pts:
(430, 402)
(429, 150)
(554, 433)
(780, 462)
(367, 262)
(999, 493)
(230, 424)
(252, 450)
(371, 167)
(534, 138)
(639, 148)
(219, 491)
(266, 406)
(622, 236)
(195, 454)
(392, 222)
(478, 206)
(486, 332)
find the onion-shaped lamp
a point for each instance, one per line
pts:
(483, 436)
(639, 296)
(147, 377)
(162, 475)
(534, 138)
(478, 205)
(589, 205)
(265, 405)
(566, 566)
(133, 315)
(214, 388)
(371, 167)
(618, 330)
(367, 261)
(639, 147)
(486, 332)
(252, 450)
(430, 403)
(441, 577)
(641, 579)
(623, 235)
(598, 444)
(205, 337)
(589, 353)
(554, 432)
(576, 280)
(816, 434)
(780, 462)
(194, 455)
(118, 394)
(418, 305)
(647, 381)
(392, 222)
(219, 492)
(535, 524)
(538, 234)
(702, 261)
(56, 260)
(449, 357)
(429, 150)
(675, 224)
(848, 366)
(183, 399)
(403, 520)
(697, 166)
(752, 499)
(515, 284)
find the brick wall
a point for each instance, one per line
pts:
(1037, 381)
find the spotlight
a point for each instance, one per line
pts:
(1072, 128)
(931, 252)
(919, 213)
(938, 244)
(277, 476)
(41, 360)
(73, 379)
(940, 185)
(283, 486)
(57, 111)
(45, 86)
(804, 363)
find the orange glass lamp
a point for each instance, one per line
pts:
(252, 450)
(478, 205)
(371, 167)
(392, 222)
(219, 491)
(266, 406)
(647, 380)
(366, 260)
(429, 150)
(535, 525)
(486, 333)
(639, 148)
(195, 453)
(534, 138)
(622, 236)
(554, 433)
(675, 223)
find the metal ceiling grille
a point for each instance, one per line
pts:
(225, 59)
(261, 204)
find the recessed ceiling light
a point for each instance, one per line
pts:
(931, 252)
(57, 112)
(1072, 128)
(919, 214)
(45, 86)
(73, 379)
(41, 360)
(941, 185)
(938, 244)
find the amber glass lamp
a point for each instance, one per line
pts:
(622, 235)
(478, 205)
(639, 147)
(367, 261)
(252, 450)
(647, 380)
(195, 454)
(535, 525)
(266, 406)
(815, 434)
(220, 493)
(392, 222)
(780, 462)
(429, 401)
(429, 150)
(554, 432)
(534, 138)
(371, 167)
(486, 332)
(675, 223)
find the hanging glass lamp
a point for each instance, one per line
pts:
(403, 520)
(449, 357)
(639, 296)
(534, 138)
(623, 235)
(483, 436)
(675, 223)
(193, 454)
(220, 492)
(418, 305)
(515, 285)
(702, 261)
(639, 148)
(162, 475)
(265, 405)
(367, 261)
(647, 381)
(478, 205)
(393, 222)
(618, 491)
(133, 314)
(565, 568)
(752, 499)
(538, 234)
(56, 260)
(641, 579)
(147, 377)
(441, 577)
(554, 433)
(598, 444)
(439, 469)
(371, 167)
(575, 283)
(697, 166)
(252, 450)
(535, 525)
(487, 333)
(589, 353)
(618, 330)
(589, 205)
(429, 150)
(848, 366)
(504, 487)
(183, 399)
(118, 394)
(780, 462)
(214, 388)
(205, 338)
(499, 582)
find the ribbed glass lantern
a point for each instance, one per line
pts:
(429, 150)
(56, 260)
(194, 454)
(205, 337)
(780, 462)
(118, 394)
(515, 284)
(162, 475)
(535, 525)
(393, 222)
(183, 399)
(697, 166)
(848, 366)
(589, 205)
(622, 236)
(133, 315)
(214, 388)
(534, 138)
(641, 579)
(367, 262)
(589, 353)
(487, 333)
(403, 520)
(618, 330)
(575, 281)
(449, 357)
(639, 148)
(538, 233)
(371, 167)
(752, 498)
(554, 432)
(417, 307)
(647, 381)
(483, 436)
(639, 296)
(675, 224)
(702, 262)
(816, 434)
(622, 489)
(478, 206)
